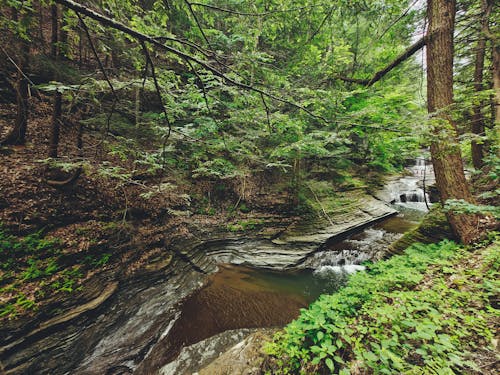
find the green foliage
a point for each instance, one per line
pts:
(13, 249)
(68, 280)
(97, 261)
(217, 168)
(461, 206)
(33, 266)
(244, 225)
(292, 49)
(383, 323)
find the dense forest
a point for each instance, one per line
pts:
(173, 171)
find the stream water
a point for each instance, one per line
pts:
(238, 297)
(176, 323)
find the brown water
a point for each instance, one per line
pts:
(233, 298)
(241, 297)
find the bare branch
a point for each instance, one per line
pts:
(400, 17)
(201, 82)
(157, 86)
(190, 7)
(267, 113)
(328, 15)
(101, 66)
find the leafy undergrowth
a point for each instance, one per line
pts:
(432, 310)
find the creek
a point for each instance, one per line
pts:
(177, 321)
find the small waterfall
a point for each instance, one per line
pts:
(408, 191)
(347, 256)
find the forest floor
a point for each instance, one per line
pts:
(70, 240)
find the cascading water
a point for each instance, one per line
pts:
(346, 257)
(241, 297)
(408, 191)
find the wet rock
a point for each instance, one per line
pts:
(130, 330)
(221, 305)
(433, 228)
(367, 211)
(244, 358)
(194, 357)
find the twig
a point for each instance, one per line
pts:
(267, 113)
(262, 14)
(190, 7)
(320, 205)
(17, 66)
(158, 90)
(101, 67)
(202, 83)
(328, 15)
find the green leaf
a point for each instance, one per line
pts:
(330, 364)
(320, 335)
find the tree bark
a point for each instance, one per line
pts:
(477, 128)
(496, 81)
(56, 125)
(445, 150)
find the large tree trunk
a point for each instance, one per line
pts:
(477, 117)
(496, 81)
(445, 150)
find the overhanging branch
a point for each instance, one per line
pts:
(410, 51)
(106, 21)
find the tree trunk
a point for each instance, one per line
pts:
(496, 81)
(477, 117)
(56, 111)
(445, 150)
(54, 35)
(56, 125)
(17, 136)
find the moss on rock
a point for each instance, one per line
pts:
(433, 228)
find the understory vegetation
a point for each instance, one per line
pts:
(432, 310)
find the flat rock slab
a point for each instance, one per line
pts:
(244, 358)
(294, 245)
(367, 211)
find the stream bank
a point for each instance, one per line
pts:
(116, 336)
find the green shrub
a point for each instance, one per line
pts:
(383, 323)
